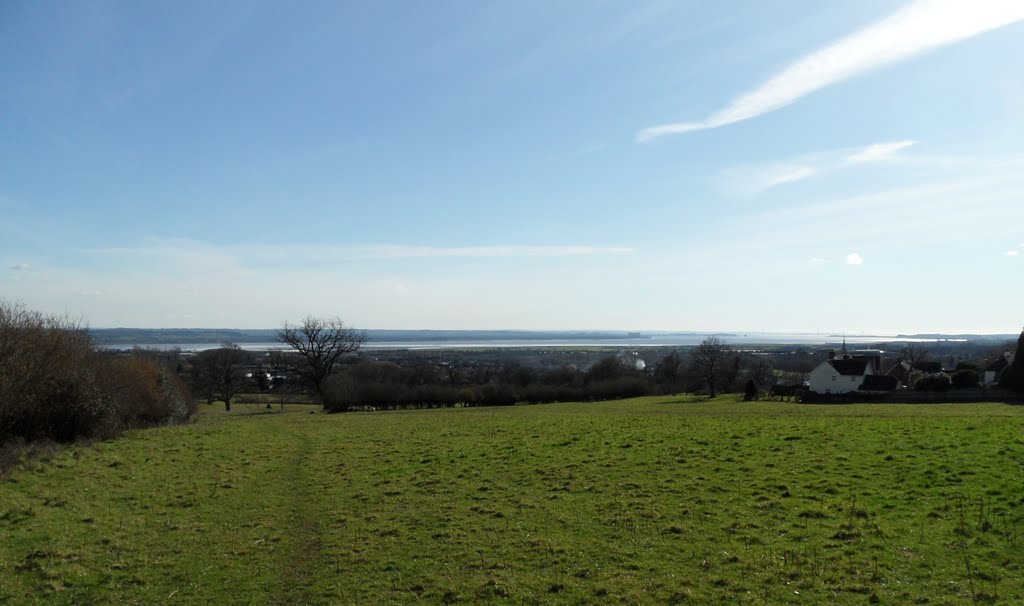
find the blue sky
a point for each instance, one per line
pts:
(785, 166)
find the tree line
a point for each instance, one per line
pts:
(56, 385)
(323, 362)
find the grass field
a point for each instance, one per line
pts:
(655, 500)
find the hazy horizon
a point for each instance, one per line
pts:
(592, 331)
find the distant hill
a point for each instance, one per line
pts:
(205, 336)
(165, 336)
(961, 337)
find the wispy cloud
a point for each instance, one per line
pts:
(1011, 253)
(90, 292)
(878, 152)
(788, 175)
(756, 179)
(854, 258)
(921, 26)
(19, 267)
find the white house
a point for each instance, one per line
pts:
(843, 375)
(993, 370)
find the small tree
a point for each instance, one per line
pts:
(750, 391)
(709, 359)
(281, 387)
(669, 372)
(219, 372)
(320, 343)
(914, 353)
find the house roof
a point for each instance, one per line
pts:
(899, 370)
(850, 367)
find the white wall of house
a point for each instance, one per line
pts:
(826, 379)
(990, 377)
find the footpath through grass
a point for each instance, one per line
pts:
(656, 500)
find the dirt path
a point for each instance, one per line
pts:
(301, 561)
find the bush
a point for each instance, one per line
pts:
(965, 379)
(626, 387)
(383, 385)
(932, 382)
(54, 385)
(338, 392)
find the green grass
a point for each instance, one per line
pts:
(655, 500)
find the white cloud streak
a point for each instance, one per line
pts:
(919, 27)
(757, 179)
(854, 258)
(19, 267)
(878, 152)
(789, 175)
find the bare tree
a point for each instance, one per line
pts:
(709, 360)
(320, 342)
(219, 372)
(913, 353)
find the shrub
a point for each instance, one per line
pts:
(55, 385)
(932, 382)
(626, 387)
(965, 378)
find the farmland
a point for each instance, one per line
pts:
(652, 500)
